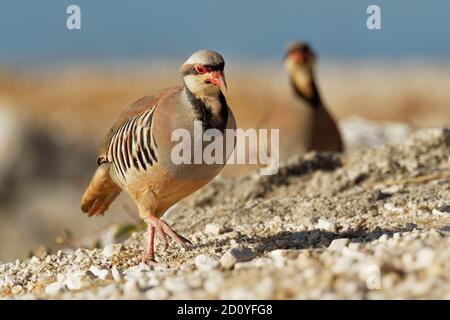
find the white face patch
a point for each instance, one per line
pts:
(197, 85)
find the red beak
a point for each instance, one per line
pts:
(218, 78)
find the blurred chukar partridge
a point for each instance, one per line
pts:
(136, 154)
(318, 128)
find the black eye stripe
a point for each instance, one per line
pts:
(215, 67)
(190, 69)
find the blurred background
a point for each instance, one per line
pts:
(60, 89)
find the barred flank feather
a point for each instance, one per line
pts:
(132, 146)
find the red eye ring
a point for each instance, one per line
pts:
(200, 69)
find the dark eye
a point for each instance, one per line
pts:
(200, 69)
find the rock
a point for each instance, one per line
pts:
(279, 257)
(440, 212)
(424, 258)
(60, 278)
(228, 260)
(342, 264)
(390, 190)
(327, 225)
(444, 208)
(392, 208)
(34, 260)
(283, 254)
(176, 284)
(100, 273)
(131, 289)
(213, 282)
(112, 250)
(354, 246)
(338, 244)
(110, 291)
(54, 289)
(205, 262)
(138, 271)
(17, 290)
(214, 229)
(231, 257)
(410, 226)
(261, 262)
(77, 280)
(116, 274)
(157, 293)
(263, 289)
(314, 236)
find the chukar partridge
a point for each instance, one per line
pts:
(319, 130)
(136, 154)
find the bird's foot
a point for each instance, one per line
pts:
(163, 230)
(149, 252)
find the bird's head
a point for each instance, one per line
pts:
(203, 73)
(299, 57)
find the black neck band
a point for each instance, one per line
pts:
(314, 100)
(204, 113)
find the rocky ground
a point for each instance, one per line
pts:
(372, 225)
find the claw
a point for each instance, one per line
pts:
(163, 230)
(182, 241)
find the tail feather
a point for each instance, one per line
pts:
(100, 193)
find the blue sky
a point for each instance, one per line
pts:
(34, 31)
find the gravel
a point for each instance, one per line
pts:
(372, 225)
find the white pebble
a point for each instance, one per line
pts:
(354, 246)
(327, 225)
(112, 250)
(100, 273)
(205, 262)
(176, 284)
(16, 290)
(424, 258)
(390, 207)
(231, 257)
(338, 244)
(53, 289)
(157, 293)
(34, 260)
(116, 274)
(214, 229)
(131, 288)
(390, 190)
(437, 212)
(60, 278)
(76, 280)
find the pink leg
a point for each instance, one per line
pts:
(163, 230)
(149, 251)
(182, 241)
